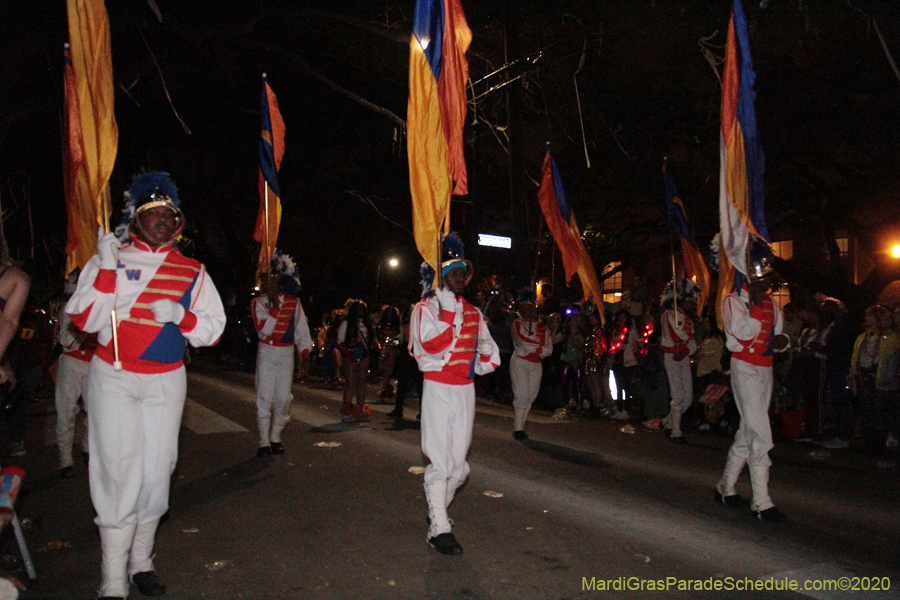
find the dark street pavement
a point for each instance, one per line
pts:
(342, 515)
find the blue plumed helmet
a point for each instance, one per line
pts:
(290, 275)
(686, 289)
(149, 190)
(452, 257)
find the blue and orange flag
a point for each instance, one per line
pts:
(694, 266)
(743, 165)
(436, 112)
(92, 137)
(271, 151)
(562, 224)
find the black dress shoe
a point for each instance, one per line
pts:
(445, 543)
(520, 436)
(277, 448)
(734, 500)
(148, 583)
(395, 414)
(770, 515)
(67, 472)
(263, 451)
(678, 439)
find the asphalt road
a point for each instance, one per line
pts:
(580, 506)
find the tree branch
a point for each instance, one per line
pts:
(337, 88)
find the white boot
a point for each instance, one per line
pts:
(141, 559)
(675, 423)
(733, 467)
(264, 424)
(452, 486)
(115, 544)
(759, 479)
(521, 415)
(280, 419)
(436, 495)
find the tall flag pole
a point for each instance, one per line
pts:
(271, 151)
(742, 163)
(694, 266)
(92, 137)
(562, 224)
(436, 111)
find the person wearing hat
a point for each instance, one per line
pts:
(753, 333)
(162, 301)
(280, 324)
(531, 344)
(451, 343)
(678, 345)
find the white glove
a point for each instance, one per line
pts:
(108, 248)
(166, 311)
(447, 299)
(485, 347)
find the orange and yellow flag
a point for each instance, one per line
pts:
(91, 132)
(438, 71)
(271, 151)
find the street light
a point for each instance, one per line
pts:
(895, 251)
(392, 262)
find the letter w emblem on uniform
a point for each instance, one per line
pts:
(133, 274)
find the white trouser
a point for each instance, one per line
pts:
(752, 389)
(681, 389)
(274, 377)
(526, 383)
(134, 422)
(448, 413)
(71, 382)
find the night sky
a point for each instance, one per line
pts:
(827, 110)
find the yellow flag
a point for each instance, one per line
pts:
(93, 137)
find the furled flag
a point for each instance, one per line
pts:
(92, 138)
(694, 266)
(436, 111)
(271, 151)
(742, 167)
(562, 224)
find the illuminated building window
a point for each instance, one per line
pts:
(783, 250)
(612, 286)
(844, 246)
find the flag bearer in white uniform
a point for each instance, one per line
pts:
(450, 341)
(531, 344)
(71, 384)
(678, 345)
(281, 324)
(753, 324)
(163, 300)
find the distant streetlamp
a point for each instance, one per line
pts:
(895, 251)
(392, 262)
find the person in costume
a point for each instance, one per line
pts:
(451, 343)
(753, 333)
(280, 325)
(678, 344)
(531, 344)
(356, 342)
(873, 377)
(162, 301)
(71, 384)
